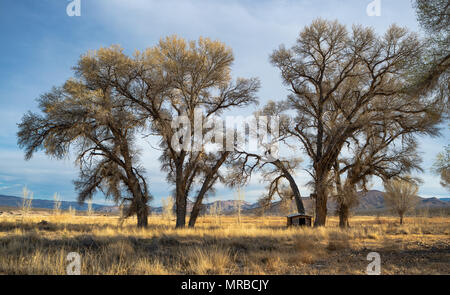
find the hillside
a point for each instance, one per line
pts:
(370, 203)
(226, 207)
(10, 201)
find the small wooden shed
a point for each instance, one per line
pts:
(299, 220)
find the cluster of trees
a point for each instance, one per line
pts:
(357, 102)
(114, 97)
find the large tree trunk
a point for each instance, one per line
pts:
(181, 198)
(181, 206)
(320, 189)
(401, 218)
(194, 214)
(296, 192)
(321, 203)
(321, 210)
(142, 215)
(139, 198)
(198, 202)
(294, 187)
(343, 215)
(343, 209)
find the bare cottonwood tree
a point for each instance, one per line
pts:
(380, 151)
(400, 196)
(274, 172)
(89, 118)
(434, 71)
(275, 169)
(433, 15)
(170, 83)
(341, 82)
(431, 75)
(199, 73)
(442, 167)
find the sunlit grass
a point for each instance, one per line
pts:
(258, 245)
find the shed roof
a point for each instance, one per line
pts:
(299, 215)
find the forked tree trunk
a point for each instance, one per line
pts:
(139, 199)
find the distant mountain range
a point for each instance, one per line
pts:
(10, 201)
(225, 207)
(371, 202)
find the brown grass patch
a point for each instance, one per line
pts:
(256, 246)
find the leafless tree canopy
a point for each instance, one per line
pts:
(400, 196)
(94, 121)
(379, 151)
(274, 170)
(357, 100)
(176, 78)
(431, 73)
(433, 15)
(442, 167)
(341, 82)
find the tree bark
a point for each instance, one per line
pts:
(181, 202)
(343, 209)
(139, 198)
(205, 187)
(320, 190)
(343, 216)
(294, 187)
(142, 215)
(321, 203)
(181, 205)
(296, 192)
(198, 202)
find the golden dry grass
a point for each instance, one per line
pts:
(259, 245)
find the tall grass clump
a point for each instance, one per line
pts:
(72, 211)
(56, 204)
(167, 204)
(90, 208)
(27, 201)
(207, 261)
(240, 199)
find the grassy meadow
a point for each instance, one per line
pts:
(221, 245)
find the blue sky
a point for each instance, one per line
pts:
(40, 43)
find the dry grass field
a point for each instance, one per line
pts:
(219, 245)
